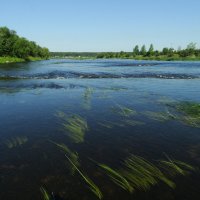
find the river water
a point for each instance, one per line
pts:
(103, 111)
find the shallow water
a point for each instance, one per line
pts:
(115, 98)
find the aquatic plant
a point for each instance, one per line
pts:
(176, 167)
(16, 141)
(142, 174)
(74, 126)
(159, 116)
(106, 125)
(123, 111)
(117, 178)
(45, 194)
(88, 181)
(190, 112)
(61, 115)
(72, 155)
(166, 100)
(87, 98)
(189, 108)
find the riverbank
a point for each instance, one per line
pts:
(4, 60)
(152, 58)
(121, 55)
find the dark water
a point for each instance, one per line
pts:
(34, 95)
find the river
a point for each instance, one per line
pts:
(98, 115)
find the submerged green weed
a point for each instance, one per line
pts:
(143, 174)
(140, 174)
(117, 178)
(16, 141)
(124, 111)
(190, 113)
(74, 126)
(176, 167)
(87, 98)
(45, 194)
(88, 181)
(108, 125)
(189, 108)
(160, 116)
(72, 155)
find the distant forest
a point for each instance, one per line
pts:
(140, 53)
(11, 45)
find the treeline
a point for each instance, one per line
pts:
(73, 54)
(11, 45)
(190, 53)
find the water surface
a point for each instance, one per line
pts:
(116, 99)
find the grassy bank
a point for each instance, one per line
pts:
(123, 55)
(167, 58)
(4, 60)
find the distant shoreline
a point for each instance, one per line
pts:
(9, 60)
(137, 59)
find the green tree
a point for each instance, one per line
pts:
(191, 46)
(136, 50)
(143, 51)
(151, 50)
(21, 48)
(7, 40)
(13, 45)
(165, 51)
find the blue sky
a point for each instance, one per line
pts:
(103, 25)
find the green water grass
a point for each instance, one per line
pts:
(190, 113)
(88, 181)
(159, 116)
(87, 98)
(117, 178)
(123, 111)
(16, 141)
(45, 194)
(74, 126)
(175, 167)
(72, 155)
(142, 174)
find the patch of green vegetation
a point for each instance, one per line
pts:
(174, 167)
(140, 174)
(106, 125)
(159, 116)
(117, 178)
(8, 78)
(19, 49)
(189, 113)
(31, 58)
(10, 60)
(166, 101)
(4, 60)
(74, 126)
(143, 174)
(87, 98)
(72, 155)
(16, 141)
(121, 123)
(88, 181)
(189, 108)
(123, 111)
(45, 194)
